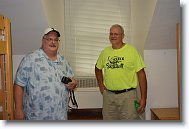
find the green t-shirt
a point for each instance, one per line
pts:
(120, 67)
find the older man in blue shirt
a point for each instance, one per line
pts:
(39, 93)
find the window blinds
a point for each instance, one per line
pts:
(87, 24)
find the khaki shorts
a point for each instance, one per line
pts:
(119, 106)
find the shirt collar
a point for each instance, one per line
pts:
(42, 54)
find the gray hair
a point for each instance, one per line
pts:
(117, 25)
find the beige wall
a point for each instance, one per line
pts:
(55, 18)
(141, 17)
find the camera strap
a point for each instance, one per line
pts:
(73, 100)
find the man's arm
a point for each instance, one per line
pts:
(143, 89)
(18, 99)
(99, 77)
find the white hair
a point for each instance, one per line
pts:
(117, 25)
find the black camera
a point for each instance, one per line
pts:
(66, 80)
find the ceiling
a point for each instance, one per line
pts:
(28, 22)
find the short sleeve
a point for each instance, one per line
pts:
(99, 63)
(139, 62)
(23, 71)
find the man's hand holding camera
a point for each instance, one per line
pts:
(70, 83)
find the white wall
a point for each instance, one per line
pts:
(162, 79)
(88, 97)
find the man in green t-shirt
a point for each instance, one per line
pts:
(123, 70)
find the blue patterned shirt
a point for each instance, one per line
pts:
(45, 96)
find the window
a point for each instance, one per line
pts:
(87, 24)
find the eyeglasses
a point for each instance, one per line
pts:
(115, 34)
(51, 40)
